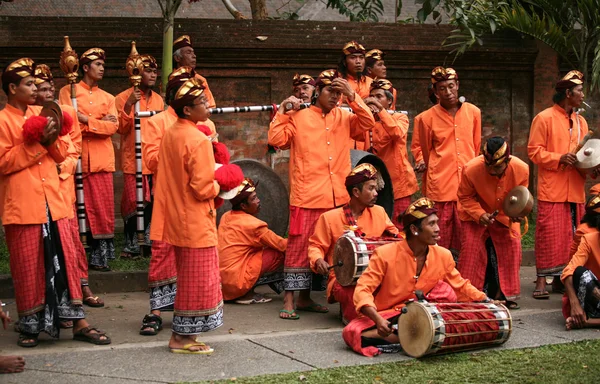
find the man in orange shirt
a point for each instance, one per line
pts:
(319, 160)
(490, 237)
(184, 215)
(581, 302)
(376, 69)
(184, 56)
(415, 144)
(361, 216)
(388, 141)
(395, 272)
(44, 82)
(97, 116)
(125, 102)
(450, 136)
(250, 254)
(43, 262)
(303, 87)
(555, 133)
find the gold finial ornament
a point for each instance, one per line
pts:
(69, 62)
(134, 66)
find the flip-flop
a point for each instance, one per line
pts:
(186, 349)
(93, 301)
(254, 300)
(542, 295)
(512, 305)
(292, 315)
(314, 307)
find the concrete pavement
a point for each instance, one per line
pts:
(253, 341)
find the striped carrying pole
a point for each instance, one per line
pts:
(135, 67)
(69, 63)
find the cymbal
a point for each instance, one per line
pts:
(518, 202)
(52, 109)
(588, 157)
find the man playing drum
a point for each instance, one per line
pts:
(489, 236)
(581, 303)
(250, 254)
(319, 160)
(554, 135)
(388, 141)
(361, 216)
(450, 136)
(394, 275)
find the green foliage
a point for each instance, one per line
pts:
(359, 10)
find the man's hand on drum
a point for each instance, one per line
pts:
(384, 327)
(568, 159)
(322, 267)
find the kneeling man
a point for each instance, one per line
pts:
(250, 254)
(394, 275)
(360, 215)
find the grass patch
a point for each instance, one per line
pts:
(117, 264)
(577, 362)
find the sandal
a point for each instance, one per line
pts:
(187, 349)
(512, 305)
(314, 307)
(151, 321)
(66, 324)
(24, 340)
(93, 301)
(85, 334)
(292, 315)
(541, 295)
(257, 299)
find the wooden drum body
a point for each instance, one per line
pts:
(351, 256)
(429, 328)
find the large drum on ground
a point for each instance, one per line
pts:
(428, 328)
(386, 195)
(273, 195)
(351, 256)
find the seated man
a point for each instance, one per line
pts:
(361, 215)
(250, 254)
(581, 302)
(491, 246)
(396, 272)
(588, 222)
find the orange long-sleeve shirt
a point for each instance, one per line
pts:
(587, 255)
(582, 230)
(127, 126)
(415, 143)
(448, 144)
(28, 176)
(332, 224)
(69, 165)
(479, 192)
(389, 140)
(242, 239)
(98, 154)
(389, 280)
(550, 137)
(362, 87)
(184, 211)
(319, 148)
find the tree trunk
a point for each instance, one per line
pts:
(169, 10)
(259, 9)
(233, 10)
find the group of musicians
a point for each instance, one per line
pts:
(186, 175)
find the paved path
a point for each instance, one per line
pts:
(253, 341)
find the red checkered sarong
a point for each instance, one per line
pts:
(553, 235)
(162, 269)
(400, 206)
(198, 282)
(100, 204)
(345, 296)
(82, 260)
(26, 257)
(296, 266)
(449, 225)
(129, 197)
(474, 256)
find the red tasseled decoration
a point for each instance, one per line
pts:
(67, 124)
(221, 153)
(229, 176)
(34, 129)
(204, 129)
(218, 202)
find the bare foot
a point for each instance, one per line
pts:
(178, 342)
(540, 283)
(304, 301)
(288, 305)
(569, 324)
(12, 364)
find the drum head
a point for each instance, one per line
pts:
(273, 195)
(344, 252)
(415, 330)
(52, 109)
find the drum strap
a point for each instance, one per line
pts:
(352, 225)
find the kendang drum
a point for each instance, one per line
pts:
(434, 328)
(351, 256)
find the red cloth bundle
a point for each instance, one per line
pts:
(229, 176)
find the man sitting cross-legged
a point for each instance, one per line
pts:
(396, 272)
(250, 254)
(360, 215)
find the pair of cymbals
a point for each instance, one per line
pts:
(588, 157)
(52, 109)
